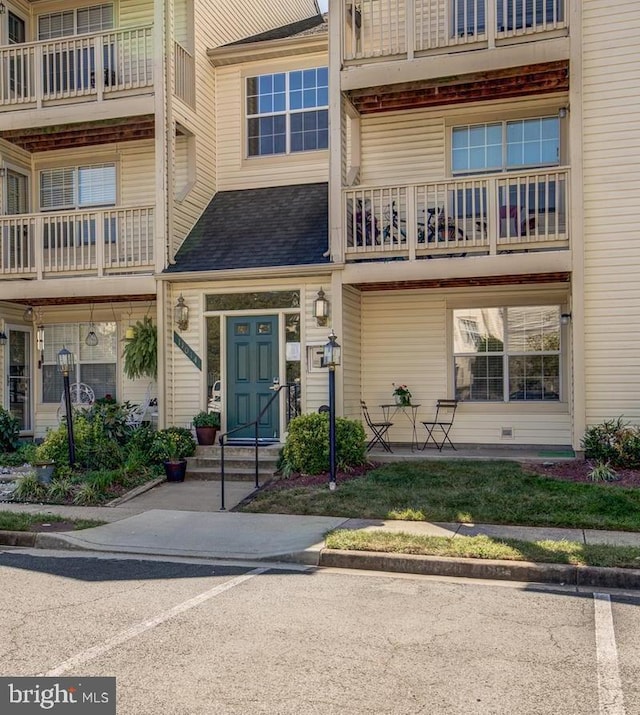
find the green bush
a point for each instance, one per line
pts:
(171, 443)
(613, 442)
(9, 431)
(25, 454)
(306, 449)
(112, 419)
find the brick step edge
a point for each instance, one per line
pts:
(561, 574)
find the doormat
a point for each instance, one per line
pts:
(565, 454)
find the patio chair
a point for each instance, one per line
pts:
(438, 430)
(137, 412)
(378, 429)
(82, 397)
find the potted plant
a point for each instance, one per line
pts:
(401, 395)
(43, 466)
(172, 446)
(207, 425)
(141, 351)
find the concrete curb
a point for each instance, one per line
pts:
(18, 538)
(561, 574)
(136, 492)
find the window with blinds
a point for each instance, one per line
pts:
(17, 193)
(82, 21)
(95, 365)
(77, 187)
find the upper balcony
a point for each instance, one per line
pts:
(79, 69)
(384, 31)
(493, 214)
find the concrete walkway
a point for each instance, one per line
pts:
(184, 520)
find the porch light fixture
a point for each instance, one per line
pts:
(65, 365)
(92, 339)
(321, 308)
(565, 318)
(562, 112)
(27, 316)
(3, 8)
(181, 314)
(3, 337)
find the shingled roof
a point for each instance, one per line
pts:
(308, 26)
(258, 228)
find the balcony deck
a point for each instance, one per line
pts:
(97, 242)
(103, 66)
(475, 215)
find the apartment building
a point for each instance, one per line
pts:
(108, 156)
(480, 155)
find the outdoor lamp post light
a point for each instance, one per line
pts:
(65, 365)
(331, 359)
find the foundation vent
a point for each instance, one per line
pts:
(506, 433)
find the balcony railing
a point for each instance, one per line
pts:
(473, 215)
(75, 67)
(185, 85)
(383, 28)
(93, 242)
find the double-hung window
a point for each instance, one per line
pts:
(72, 188)
(287, 112)
(95, 365)
(512, 354)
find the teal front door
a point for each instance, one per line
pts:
(252, 365)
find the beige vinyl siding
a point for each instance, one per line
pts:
(235, 169)
(134, 13)
(218, 23)
(412, 146)
(611, 134)
(351, 339)
(405, 341)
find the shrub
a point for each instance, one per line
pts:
(306, 448)
(602, 472)
(25, 454)
(170, 444)
(613, 442)
(207, 419)
(30, 489)
(113, 419)
(9, 431)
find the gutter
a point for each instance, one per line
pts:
(261, 272)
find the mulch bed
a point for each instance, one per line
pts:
(577, 470)
(51, 526)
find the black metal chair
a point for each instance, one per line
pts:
(441, 424)
(378, 429)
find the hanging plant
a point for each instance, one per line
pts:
(141, 352)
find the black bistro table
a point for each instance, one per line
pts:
(409, 411)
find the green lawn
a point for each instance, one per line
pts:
(461, 491)
(13, 521)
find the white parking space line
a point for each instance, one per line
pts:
(98, 650)
(609, 684)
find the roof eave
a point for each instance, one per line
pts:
(268, 49)
(312, 269)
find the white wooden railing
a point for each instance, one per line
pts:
(483, 214)
(78, 66)
(185, 85)
(92, 242)
(384, 28)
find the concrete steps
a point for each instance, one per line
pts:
(239, 463)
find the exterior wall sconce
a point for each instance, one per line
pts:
(562, 112)
(321, 308)
(27, 316)
(3, 337)
(181, 314)
(3, 8)
(565, 318)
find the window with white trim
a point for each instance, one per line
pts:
(75, 187)
(94, 365)
(514, 355)
(288, 112)
(81, 21)
(508, 145)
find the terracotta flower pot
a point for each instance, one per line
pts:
(175, 471)
(206, 435)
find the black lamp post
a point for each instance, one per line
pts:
(331, 359)
(65, 365)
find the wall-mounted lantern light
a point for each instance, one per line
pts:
(321, 308)
(181, 314)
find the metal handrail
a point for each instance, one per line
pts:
(255, 423)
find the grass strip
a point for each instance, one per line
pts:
(13, 521)
(485, 547)
(495, 492)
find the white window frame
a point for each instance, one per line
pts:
(504, 166)
(72, 24)
(287, 112)
(71, 176)
(506, 353)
